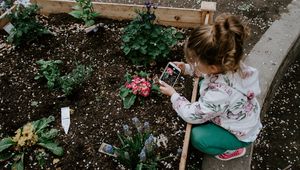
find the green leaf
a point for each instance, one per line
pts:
(6, 143)
(52, 133)
(143, 74)
(37, 77)
(58, 62)
(89, 23)
(126, 38)
(155, 87)
(124, 92)
(95, 14)
(139, 166)
(120, 137)
(126, 50)
(76, 14)
(42, 123)
(128, 77)
(136, 46)
(18, 164)
(53, 147)
(179, 35)
(129, 101)
(143, 50)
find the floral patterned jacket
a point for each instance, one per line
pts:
(228, 100)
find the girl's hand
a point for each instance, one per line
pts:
(166, 89)
(181, 65)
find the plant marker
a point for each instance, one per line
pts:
(107, 149)
(65, 118)
(8, 27)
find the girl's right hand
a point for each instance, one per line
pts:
(180, 65)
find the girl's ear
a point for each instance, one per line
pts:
(214, 69)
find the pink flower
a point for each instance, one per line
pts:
(127, 85)
(170, 71)
(250, 95)
(133, 85)
(134, 91)
(145, 93)
(139, 86)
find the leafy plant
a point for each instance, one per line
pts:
(5, 4)
(75, 78)
(144, 41)
(84, 10)
(50, 71)
(67, 83)
(138, 150)
(137, 85)
(28, 138)
(26, 27)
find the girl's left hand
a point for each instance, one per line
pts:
(166, 89)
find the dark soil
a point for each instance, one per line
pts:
(98, 112)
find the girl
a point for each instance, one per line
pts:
(227, 109)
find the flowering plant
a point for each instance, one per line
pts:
(138, 149)
(137, 85)
(26, 138)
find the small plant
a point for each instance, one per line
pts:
(84, 10)
(138, 149)
(51, 72)
(137, 85)
(27, 139)
(74, 79)
(144, 41)
(26, 27)
(5, 4)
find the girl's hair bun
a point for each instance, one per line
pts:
(219, 44)
(231, 24)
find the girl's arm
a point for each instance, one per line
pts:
(213, 104)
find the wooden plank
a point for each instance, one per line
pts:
(188, 128)
(3, 18)
(177, 17)
(210, 7)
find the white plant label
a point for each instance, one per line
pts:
(8, 27)
(65, 118)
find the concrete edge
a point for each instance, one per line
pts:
(273, 53)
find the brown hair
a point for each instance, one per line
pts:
(219, 44)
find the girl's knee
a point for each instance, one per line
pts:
(198, 138)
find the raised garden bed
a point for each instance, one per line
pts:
(98, 109)
(20, 92)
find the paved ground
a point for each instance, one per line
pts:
(278, 145)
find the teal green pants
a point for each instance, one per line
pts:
(213, 139)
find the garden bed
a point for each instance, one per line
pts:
(98, 113)
(98, 110)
